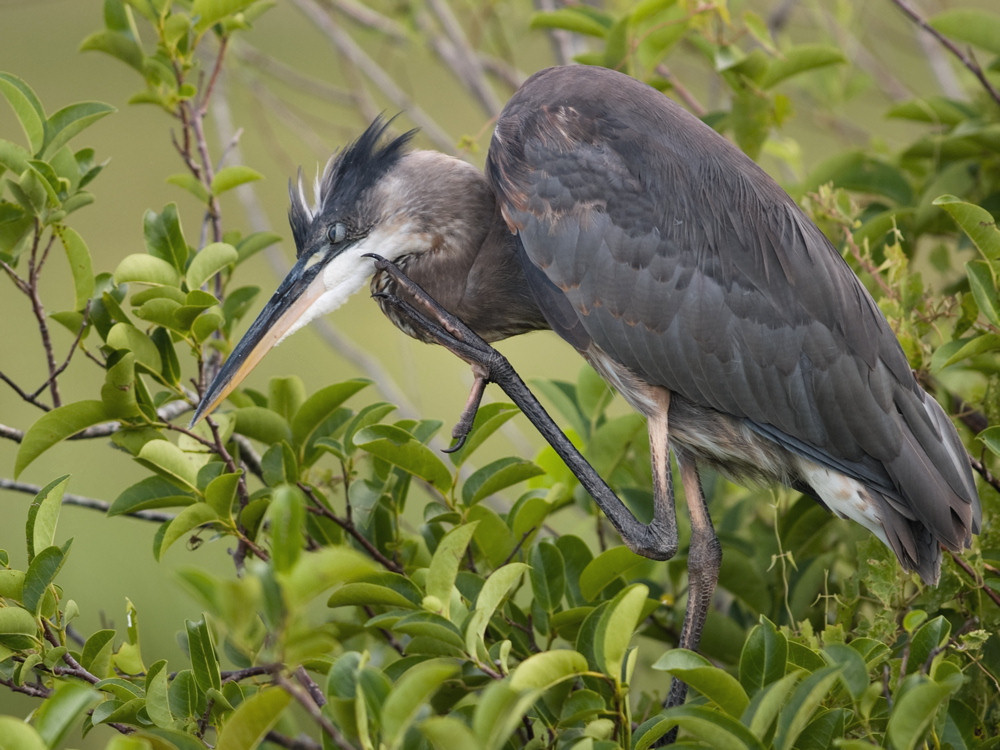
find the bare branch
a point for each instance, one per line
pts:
(85, 502)
(368, 18)
(460, 58)
(965, 58)
(357, 57)
(314, 711)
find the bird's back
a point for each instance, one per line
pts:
(652, 242)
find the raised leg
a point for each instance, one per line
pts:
(657, 540)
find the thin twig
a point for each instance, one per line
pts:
(81, 501)
(966, 59)
(348, 525)
(315, 712)
(991, 593)
(360, 59)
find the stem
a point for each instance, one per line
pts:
(949, 45)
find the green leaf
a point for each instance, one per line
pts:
(201, 650)
(209, 261)
(764, 657)
(186, 521)
(543, 670)
(44, 514)
(57, 425)
(316, 409)
(252, 720)
(399, 448)
(118, 45)
(712, 727)
(149, 493)
(447, 732)
(192, 185)
(210, 12)
(119, 390)
(19, 735)
(262, 424)
(497, 587)
(984, 289)
(410, 695)
(990, 437)
(802, 704)
(126, 336)
(220, 493)
(228, 178)
(41, 571)
(96, 656)
(71, 120)
(913, 714)
(26, 107)
(862, 173)
(171, 462)
(768, 702)
(497, 476)
(368, 594)
(315, 572)
(78, 257)
(610, 565)
(17, 621)
(976, 222)
(142, 268)
(548, 575)
(444, 565)
(577, 19)
(714, 683)
(165, 238)
(798, 60)
(977, 27)
(287, 515)
(617, 626)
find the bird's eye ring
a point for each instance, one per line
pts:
(337, 233)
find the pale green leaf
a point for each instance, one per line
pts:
(78, 257)
(57, 425)
(228, 178)
(252, 720)
(209, 261)
(142, 268)
(543, 670)
(189, 519)
(444, 565)
(44, 514)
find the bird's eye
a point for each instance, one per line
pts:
(337, 233)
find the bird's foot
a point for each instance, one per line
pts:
(451, 333)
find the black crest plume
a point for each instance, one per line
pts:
(348, 175)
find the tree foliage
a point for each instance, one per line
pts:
(385, 596)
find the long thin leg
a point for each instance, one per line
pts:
(657, 540)
(704, 561)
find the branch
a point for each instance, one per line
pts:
(353, 53)
(84, 502)
(305, 700)
(978, 581)
(348, 525)
(949, 45)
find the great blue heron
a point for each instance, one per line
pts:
(676, 267)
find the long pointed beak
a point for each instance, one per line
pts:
(284, 313)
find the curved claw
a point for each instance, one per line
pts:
(457, 445)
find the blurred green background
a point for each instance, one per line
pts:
(39, 41)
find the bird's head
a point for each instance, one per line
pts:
(364, 203)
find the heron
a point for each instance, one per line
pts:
(682, 272)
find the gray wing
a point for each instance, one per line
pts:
(685, 262)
